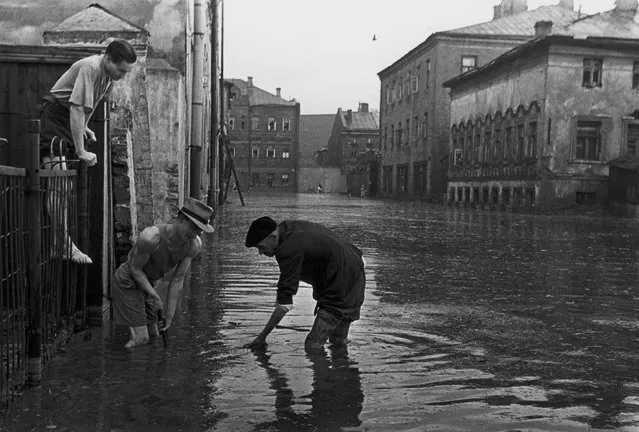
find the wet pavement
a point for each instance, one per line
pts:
(472, 321)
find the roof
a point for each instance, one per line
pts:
(315, 129)
(630, 163)
(257, 96)
(360, 120)
(96, 18)
(610, 24)
(520, 26)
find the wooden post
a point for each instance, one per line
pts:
(33, 202)
(83, 244)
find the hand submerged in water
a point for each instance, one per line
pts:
(258, 343)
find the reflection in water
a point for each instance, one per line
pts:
(472, 321)
(335, 400)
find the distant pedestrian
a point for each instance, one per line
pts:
(319, 188)
(158, 250)
(362, 192)
(65, 115)
(314, 254)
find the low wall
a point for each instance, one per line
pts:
(309, 178)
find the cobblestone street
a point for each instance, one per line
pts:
(472, 321)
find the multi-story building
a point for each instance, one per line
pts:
(354, 135)
(315, 130)
(263, 129)
(538, 125)
(415, 108)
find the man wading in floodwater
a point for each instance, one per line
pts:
(314, 254)
(158, 250)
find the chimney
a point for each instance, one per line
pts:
(510, 7)
(349, 115)
(626, 8)
(250, 81)
(543, 28)
(278, 92)
(496, 12)
(567, 4)
(363, 107)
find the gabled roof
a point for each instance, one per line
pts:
(96, 18)
(521, 24)
(609, 29)
(515, 27)
(315, 129)
(359, 120)
(257, 96)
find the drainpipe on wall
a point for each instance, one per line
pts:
(197, 99)
(217, 102)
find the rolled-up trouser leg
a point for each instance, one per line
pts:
(324, 327)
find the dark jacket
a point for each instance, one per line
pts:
(316, 255)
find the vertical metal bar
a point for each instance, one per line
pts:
(83, 223)
(216, 104)
(34, 368)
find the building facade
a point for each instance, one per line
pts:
(315, 131)
(263, 131)
(354, 136)
(538, 126)
(415, 107)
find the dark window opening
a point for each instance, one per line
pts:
(592, 73)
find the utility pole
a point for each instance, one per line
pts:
(197, 99)
(217, 101)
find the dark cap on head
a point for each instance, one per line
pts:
(259, 230)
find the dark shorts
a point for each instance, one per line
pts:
(55, 131)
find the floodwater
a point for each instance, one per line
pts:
(472, 321)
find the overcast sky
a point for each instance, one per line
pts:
(322, 53)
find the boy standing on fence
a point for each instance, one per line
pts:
(65, 117)
(158, 250)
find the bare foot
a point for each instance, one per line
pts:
(79, 257)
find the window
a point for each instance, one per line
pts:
(457, 157)
(354, 149)
(385, 138)
(496, 157)
(477, 148)
(588, 143)
(255, 123)
(407, 132)
(399, 135)
(487, 146)
(402, 179)
(406, 90)
(592, 72)
(392, 136)
(286, 125)
(531, 150)
(632, 139)
(286, 154)
(635, 75)
(416, 127)
(269, 179)
(272, 124)
(519, 151)
(284, 179)
(243, 123)
(232, 123)
(414, 84)
(398, 93)
(468, 63)
(270, 153)
(425, 126)
(255, 153)
(508, 145)
(389, 96)
(428, 73)
(255, 178)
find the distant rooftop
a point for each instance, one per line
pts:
(359, 120)
(96, 18)
(257, 96)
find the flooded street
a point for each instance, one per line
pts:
(472, 321)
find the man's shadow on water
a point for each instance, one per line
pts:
(336, 396)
